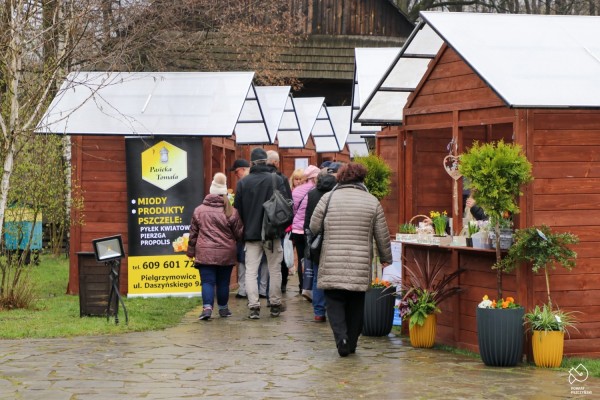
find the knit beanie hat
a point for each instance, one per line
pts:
(258, 155)
(219, 184)
(311, 172)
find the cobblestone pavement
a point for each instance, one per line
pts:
(270, 358)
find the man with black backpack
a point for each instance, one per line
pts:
(259, 190)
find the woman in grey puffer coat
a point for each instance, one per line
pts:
(353, 219)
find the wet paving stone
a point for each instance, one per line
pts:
(271, 358)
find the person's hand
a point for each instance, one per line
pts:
(470, 202)
(384, 264)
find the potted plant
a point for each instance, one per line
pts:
(425, 289)
(500, 332)
(379, 308)
(495, 172)
(406, 231)
(506, 232)
(548, 327)
(545, 249)
(377, 315)
(439, 220)
(472, 228)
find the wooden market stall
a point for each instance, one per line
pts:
(124, 140)
(462, 98)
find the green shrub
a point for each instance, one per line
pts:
(378, 175)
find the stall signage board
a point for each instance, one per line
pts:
(164, 186)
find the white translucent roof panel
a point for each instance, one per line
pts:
(541, 61)
(331, 129)
(370, 66)
(261, 114)
(340, 118)
(157, 103)
(289, 128)
(385, 104)
(307, 111)
(323, 133)
(358, 149)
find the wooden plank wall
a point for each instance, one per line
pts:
(565, 148)
(389, 146)
(352, 17)
(99, 171)
(450, 82)
(431, 185)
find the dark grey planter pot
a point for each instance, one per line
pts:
(500, 336)
(379, 312)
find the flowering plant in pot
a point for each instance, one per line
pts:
(439, 220)
(427, 286)
(544, 249)
(500, 331)
(379, 308)
(379, 283)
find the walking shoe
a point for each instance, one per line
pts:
(206, 313)
(224, 312)
(320, 318)
(343, 348)
(240, 296)
(275, 310)
(254, 313)
(307, 294)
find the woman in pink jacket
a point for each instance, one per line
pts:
(300, 197)
(214, 231)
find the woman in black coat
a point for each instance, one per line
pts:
(326, 181)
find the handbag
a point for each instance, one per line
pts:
(288, 251)
(316, 242)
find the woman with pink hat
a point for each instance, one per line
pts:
(299, 196)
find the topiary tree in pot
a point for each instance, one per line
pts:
(495, 173)
(544, 249)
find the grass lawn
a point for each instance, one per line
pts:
(55, 314)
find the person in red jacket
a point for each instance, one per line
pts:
(214, 231)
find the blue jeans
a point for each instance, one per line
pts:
(318, 295)
(211, 276)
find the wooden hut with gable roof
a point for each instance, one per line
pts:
(536, 84)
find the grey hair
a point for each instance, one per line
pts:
(272, 157)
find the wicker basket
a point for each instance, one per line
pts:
(428, 229)
(412, 220)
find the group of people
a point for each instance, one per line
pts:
(333, 199)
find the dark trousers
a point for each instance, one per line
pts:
(284, 275)
(345, 311)
(300, 243)
(211, 276)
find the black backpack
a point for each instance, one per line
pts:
(278, 214)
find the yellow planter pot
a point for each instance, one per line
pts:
(424, 336)
(548, 348)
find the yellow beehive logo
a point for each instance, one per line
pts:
(164, 165)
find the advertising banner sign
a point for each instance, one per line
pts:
(164, 186)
